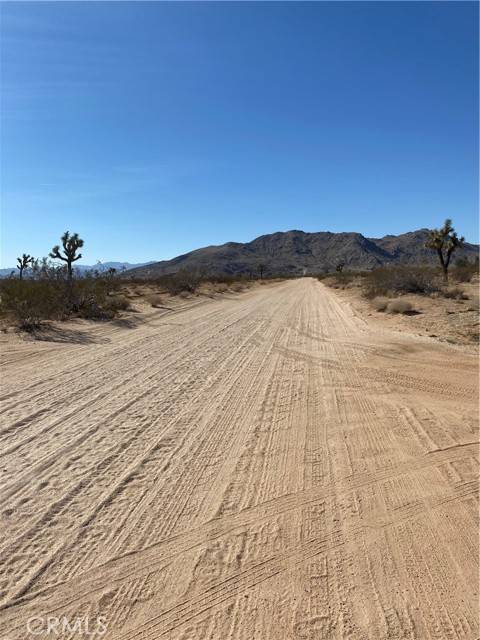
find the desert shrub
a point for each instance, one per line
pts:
(473, 303)
(27, 302)
(340, 279)
(221, 287)
(380, 303)
(45, 269)
(399, 306)
(344, 277)
(92, 298)
(118, 303)
(237, 287)
(463, 270)
(48, 296)
(182, 281)
(454, 293)
(90, 309)
(463, 274)
(401, 279)
(184, 294)
(155, 300)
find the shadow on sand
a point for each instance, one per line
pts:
(52, 333)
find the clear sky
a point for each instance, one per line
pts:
(156, 128)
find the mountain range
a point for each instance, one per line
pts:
(297, 252)
(82, 268)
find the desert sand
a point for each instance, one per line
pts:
(263, 466)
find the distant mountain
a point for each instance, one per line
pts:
(104, 266)
(82, 268)
(298, 252)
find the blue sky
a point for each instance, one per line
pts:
(156, 128)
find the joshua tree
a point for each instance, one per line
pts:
(339, 267)
(261, 269)
(71, 244)
(23, 263)
(444, 241)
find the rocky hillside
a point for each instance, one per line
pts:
(297, 252)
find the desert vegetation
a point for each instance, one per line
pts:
(443, 298)
(24, 262)
(444, 241)
(51, 289)
(404, 279)
(71, 244)
(386, 288)
(393, 280)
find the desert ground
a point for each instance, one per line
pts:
(268, 465)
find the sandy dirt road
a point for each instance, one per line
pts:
(268, 466)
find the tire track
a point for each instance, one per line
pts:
(267, 466)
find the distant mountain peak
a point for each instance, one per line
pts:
(298, 252)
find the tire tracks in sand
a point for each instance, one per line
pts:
(266, 467)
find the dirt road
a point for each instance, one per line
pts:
(268, 466)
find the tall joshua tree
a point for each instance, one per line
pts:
(71, 244)
(444, 241)
(23, 263)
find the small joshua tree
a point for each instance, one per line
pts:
(261, 269)
(71, 244)
(444, 241)
(23, 263)
(339, 267)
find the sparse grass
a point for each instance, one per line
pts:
(399, 305)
